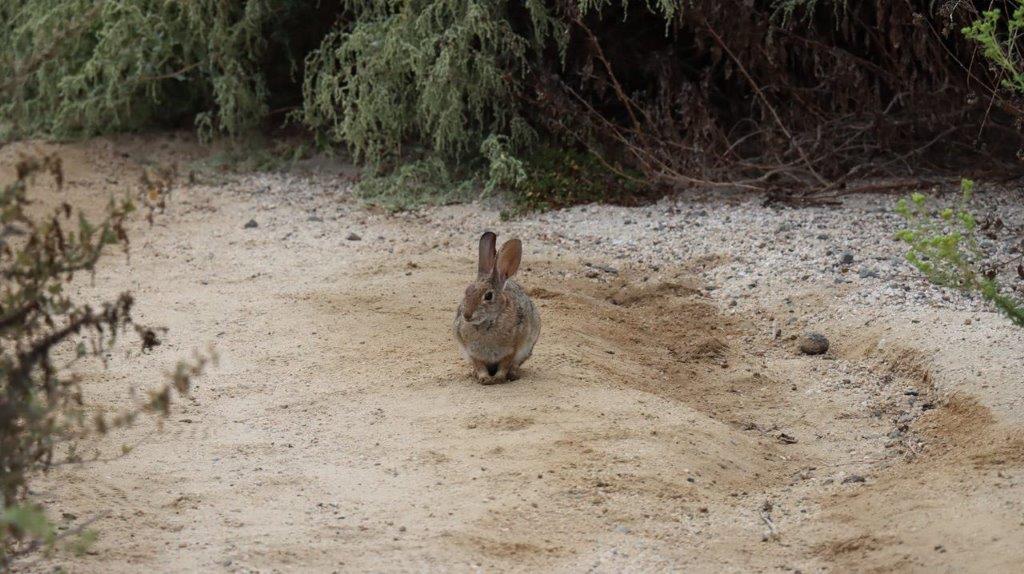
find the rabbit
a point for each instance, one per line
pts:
(497, 324)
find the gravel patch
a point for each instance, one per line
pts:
(748, 255)
(850, 250)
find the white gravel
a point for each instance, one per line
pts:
(850, 250)
(746, 253)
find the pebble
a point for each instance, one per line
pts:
(251, 224)
(786, 439)
(606, 268)
(813, 343)
(353, 237)
(853, 478)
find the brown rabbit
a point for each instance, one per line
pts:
(496, 324)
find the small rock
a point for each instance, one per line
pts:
(353, 237)
(813, 344)
(606, 268)
(786, 439)
(866, 272)
(853, 478)
(251, 224)
(846, 258)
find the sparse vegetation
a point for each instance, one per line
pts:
(999, 40)
(45, 335)
(255, 154)
(413, 184)
(944, 245)
(560, 178)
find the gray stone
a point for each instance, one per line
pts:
(813, 344)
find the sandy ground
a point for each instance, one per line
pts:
(660, 426)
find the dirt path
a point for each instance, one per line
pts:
(650, 432)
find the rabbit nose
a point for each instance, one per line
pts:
(467, 315)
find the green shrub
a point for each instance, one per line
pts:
(255, 154)
(685, 91)
(999, 45)
(545, 179)
(557, 178)
(505, 170)
(446, 73)
(80, 67)
(415, 184)
(944, 246)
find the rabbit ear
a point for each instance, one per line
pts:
(488, 256)
(508, 259)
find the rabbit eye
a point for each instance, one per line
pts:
(488, 296)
